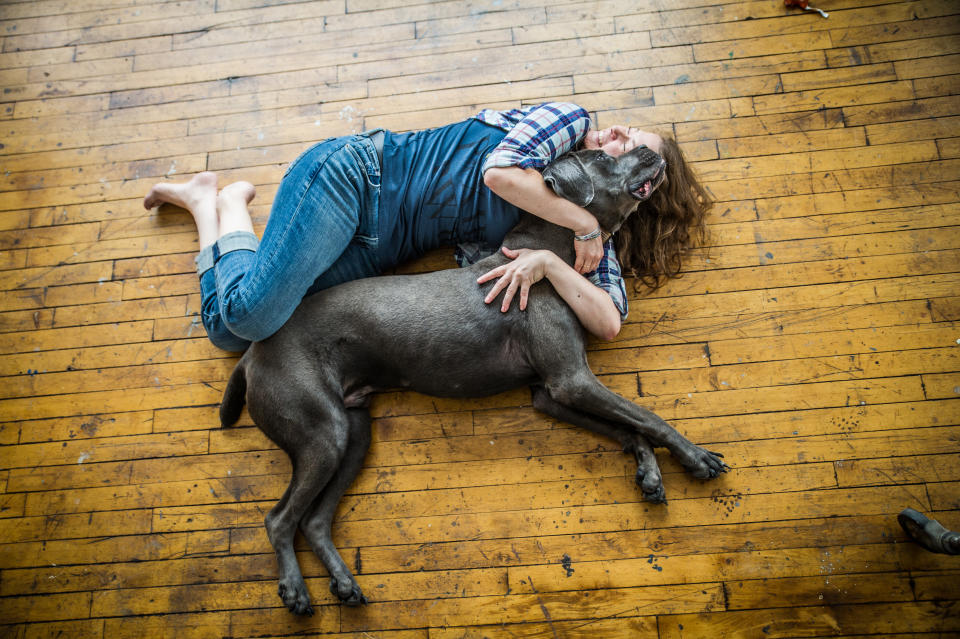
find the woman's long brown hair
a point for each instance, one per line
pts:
(652, 242)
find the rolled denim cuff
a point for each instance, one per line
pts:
(204, 259)
(235, 241)
(238, 241)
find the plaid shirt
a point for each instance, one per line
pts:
(535, 137)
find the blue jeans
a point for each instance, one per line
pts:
(322, 231)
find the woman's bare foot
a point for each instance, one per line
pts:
(199, 196)
(186, 195)
(239, 190)
(232, 209)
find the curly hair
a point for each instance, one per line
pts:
(652, 242)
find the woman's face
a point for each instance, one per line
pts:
(617, 140)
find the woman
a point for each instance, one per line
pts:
(355, 206)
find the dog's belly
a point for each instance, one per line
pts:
(431, 333)
(439, 367)
(478, 377)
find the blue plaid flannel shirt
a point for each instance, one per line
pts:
(536, 136)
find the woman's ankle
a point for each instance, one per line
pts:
(232, 208)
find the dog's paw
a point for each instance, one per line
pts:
(347, 591)
(295, 597)
(651, 486)
(704, 464)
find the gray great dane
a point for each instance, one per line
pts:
(307, 387)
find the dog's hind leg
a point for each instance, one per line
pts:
(315, 437)
(584, 392)
(315, 525)
(648, 476)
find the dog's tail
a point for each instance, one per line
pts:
(234, 396)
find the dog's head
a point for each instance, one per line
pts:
(608, 187)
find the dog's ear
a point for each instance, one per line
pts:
(568, 178)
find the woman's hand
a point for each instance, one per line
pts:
(589, 253)
(592, 305)
(526, 269)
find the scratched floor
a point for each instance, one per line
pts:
(815, 345)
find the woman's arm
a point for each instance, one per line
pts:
(525, 189)
(540, 136)
(592, 305)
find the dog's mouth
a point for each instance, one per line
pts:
(644, 190)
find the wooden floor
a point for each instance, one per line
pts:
(816, 346)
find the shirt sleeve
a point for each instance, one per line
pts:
(545, 133)
(609, 278)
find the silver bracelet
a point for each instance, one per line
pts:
(589, 236)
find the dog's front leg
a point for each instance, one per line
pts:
(584, 392)
(648, 476)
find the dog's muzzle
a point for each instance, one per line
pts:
(644, 190)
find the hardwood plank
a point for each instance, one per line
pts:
(47, 607)
(145, 547)
(949, 148)
(937, 586)
(850, 589)
(747, 574)
(145, 24)
(865, 341)
(890, 51)
(731, 193)
(100, 450)
(846, 97)
(860, 74)
(76, 428)
(76, 526)
(821, 272)
(944, 497)
(92, 314)
(669, 329)
(577, 629)
(256, 622)
(822, 620)
(761, 46)
(115, 355)
(798, 298)
(683, 540)
(898, 110)
(904, 30)
(81, 337)
(450, 612)
(47, 15)
(768, 145)
(899, 469)
(84, 629)
(260, 594)
(943, 385)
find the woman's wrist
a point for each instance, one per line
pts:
(595, 233)
(585, 224)
(553, 265)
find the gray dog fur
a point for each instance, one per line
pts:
(307, 386)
